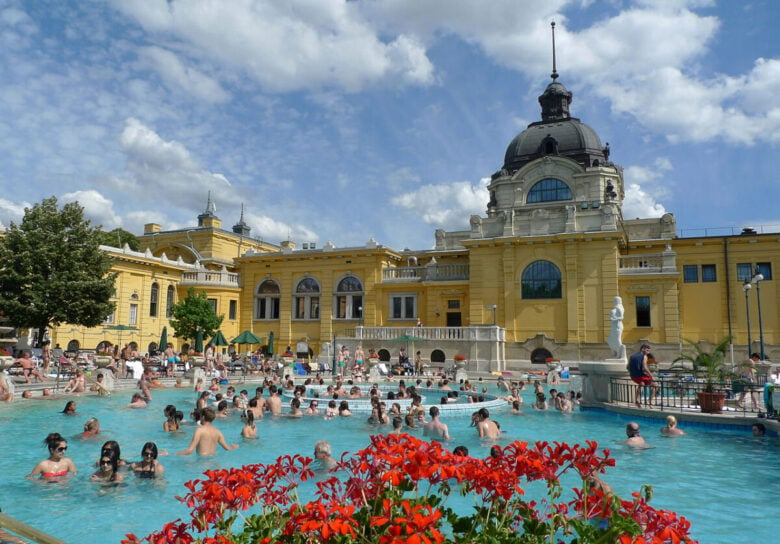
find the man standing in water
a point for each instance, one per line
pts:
(434, 427)
(486, 427)
(207, 437)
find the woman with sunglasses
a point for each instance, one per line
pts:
(148, 467)
(111, 448)
(57, 466)
(108, 470)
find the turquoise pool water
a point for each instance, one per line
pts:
(722, 480)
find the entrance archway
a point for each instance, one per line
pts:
(540, 356)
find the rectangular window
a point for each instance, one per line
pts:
(232, 309)
(403, 306)
(341, 307)
(453, 305)
(133, 315)
(213, 303)
(746, 271)
(708, 273)
(643, 311)
(109, 320)
(267, 308)
(691, 273)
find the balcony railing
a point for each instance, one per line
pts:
(655, 263)
(421, 334)
(210, 277)
(431, 272)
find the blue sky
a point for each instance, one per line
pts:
(338, 121)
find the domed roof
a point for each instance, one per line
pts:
(556, 134)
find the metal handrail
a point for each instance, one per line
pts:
(30, 533)
(679, 392)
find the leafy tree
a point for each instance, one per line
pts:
(53, 270)
(192, 313)
(118, 238)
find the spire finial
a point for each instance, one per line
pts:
(211, 207)
(241, 219)
(554, 74)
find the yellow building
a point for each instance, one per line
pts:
(534, 278)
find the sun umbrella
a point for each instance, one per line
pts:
(163, 339)
(219, 339)
(270, 343)
(246, 337)
(199, 341)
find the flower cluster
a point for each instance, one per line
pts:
(395, 492)
(459, 357)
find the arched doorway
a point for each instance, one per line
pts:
(384, 355)
(73, 346)
(438, 356)
(540, 356)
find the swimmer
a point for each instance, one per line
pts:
(206, 437)
(91, 428)
(322, 456)
(331, 411)
(759, 429)
(203, 400)
(148, 467)
(295, 408)
(172, 420)
(222, 409)
(486, 427)
(250, 429)
(77, 384)
(108, 471)
(516, 408)
(671, 427)
(111, 448)
(398, 424)
(461, 451)
(137, 401)
(179, 383)
(634, 440)
(435, 428)
(344, 409)
(100, 387)
(70, 408)
(312, 409)
(274, 402)
(57, 465)
(198, 385)
(541, 402)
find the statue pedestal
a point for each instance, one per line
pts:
(596, 376)
(373, 374)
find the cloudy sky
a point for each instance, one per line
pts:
(341, 120)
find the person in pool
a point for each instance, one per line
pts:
(206, 437)
(111, 448)
(57, 465)
(91, 428)
(70, 408)
(148, 467)
(108, 470)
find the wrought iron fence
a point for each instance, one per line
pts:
(679, 392)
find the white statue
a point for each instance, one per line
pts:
(615, 339)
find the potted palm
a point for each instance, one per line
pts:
(713, 368)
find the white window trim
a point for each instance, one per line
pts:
(402, 296)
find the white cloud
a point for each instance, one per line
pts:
(286, 46)
(445, 206)
(97, 208)
(274, 231)
(642, 189)
(12, 211)
(180, 78)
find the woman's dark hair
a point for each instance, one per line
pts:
(343, 406)
(112, 448)
(222, 405)
(150, 446)
(461, 451)
(250, 417)
(69, 406)
(170, 411)
(332, 404)
(114, 461)
(53, 440)
(295, 403)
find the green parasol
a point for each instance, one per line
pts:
(270, 343)
(219, 339)
(199, 341)
(246, 337)
(163, 339)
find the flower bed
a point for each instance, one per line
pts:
(395, 492)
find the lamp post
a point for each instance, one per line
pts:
(757, 279)
(746, 287)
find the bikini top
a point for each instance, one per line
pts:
(54, 474)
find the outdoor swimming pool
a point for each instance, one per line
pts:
(722, 480)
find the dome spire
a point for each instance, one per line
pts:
(554, 74)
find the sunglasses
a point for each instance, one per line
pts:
(148, 454)
(62, 449)
(105, 462)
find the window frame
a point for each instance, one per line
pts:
(348, 303)
(530, 287)
(690, 273)
(154, 299)
(170, 300)
(559, 190)
(705, 270)
(407, 306)
(306, 304)
(267, 306)
(232, 310)
(132, 318)
(648, 311)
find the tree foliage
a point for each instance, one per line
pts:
(53, 270)
(118, 238)
(192, 313)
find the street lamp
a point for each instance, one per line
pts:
(757, 279)
(492, 307)
(746, 286)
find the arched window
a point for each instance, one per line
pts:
(170, 300)
(549, 190)
(267, 300)
(306, 302)
(348, 299)
(540, 356)
(541, 279)
(154, 296)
